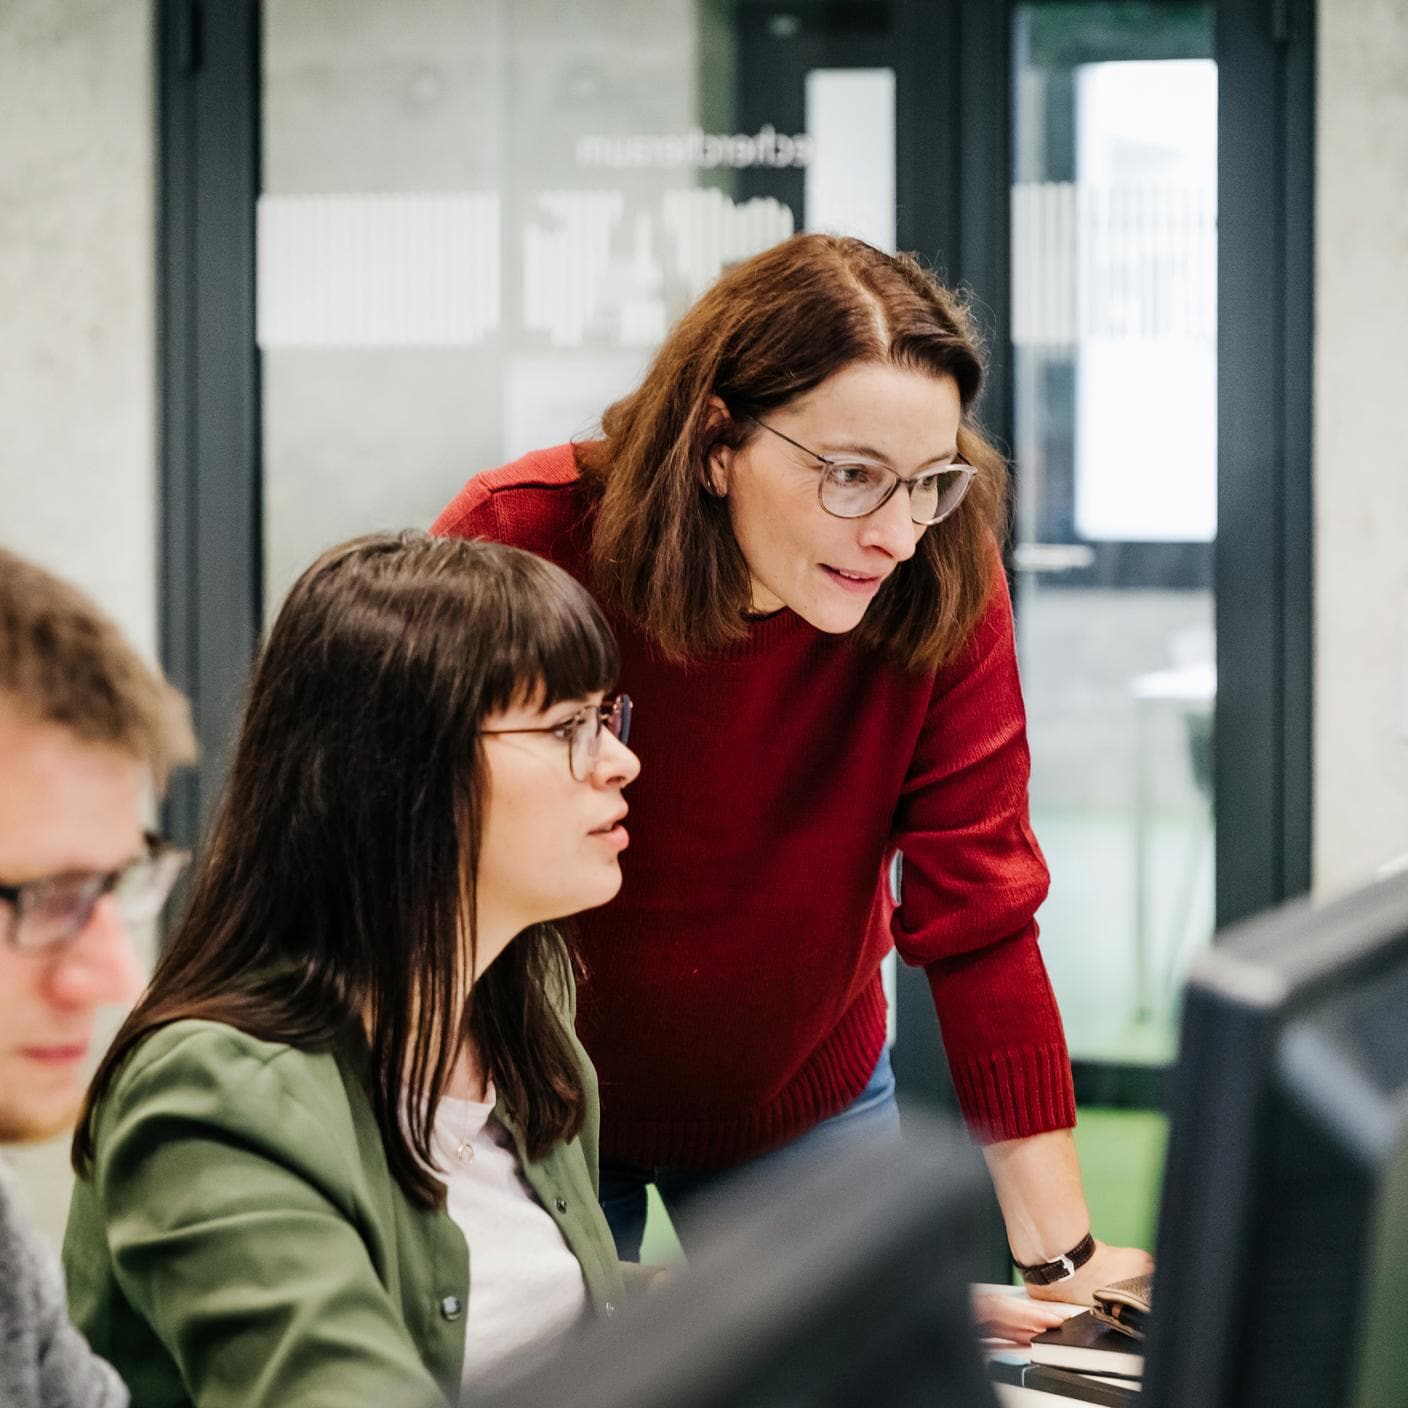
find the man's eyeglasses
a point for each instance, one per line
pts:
(45, 915)
(853, 488)
(582, 732)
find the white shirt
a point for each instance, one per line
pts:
(525, 1285)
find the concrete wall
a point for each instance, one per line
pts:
(77, 356)
(77, 362)
(1361, 445)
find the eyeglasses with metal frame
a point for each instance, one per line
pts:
(856, 488)
(582, 732)
(48, 914)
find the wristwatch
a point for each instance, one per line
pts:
(1046, 1273)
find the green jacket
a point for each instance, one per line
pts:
(242, 1241)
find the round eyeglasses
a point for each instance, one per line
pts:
(46, 915)
(855, 488)
(582, 732)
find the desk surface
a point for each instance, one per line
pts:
(1010, 1396)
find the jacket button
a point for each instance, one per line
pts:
(609, 1308)
(451, 1308)
(560, 1204)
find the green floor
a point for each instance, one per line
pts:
(1121, 1156)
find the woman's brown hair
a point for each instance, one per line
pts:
(770, 330)
(334, 905)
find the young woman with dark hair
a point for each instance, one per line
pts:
(356, 1057)
(793, 523)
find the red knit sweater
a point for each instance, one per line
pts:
(733, 994)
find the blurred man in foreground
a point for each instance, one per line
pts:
(87, 730)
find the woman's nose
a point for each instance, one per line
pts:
(616, 765)
(890, 528)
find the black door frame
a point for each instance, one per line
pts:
(211, 543)
(1264, 558)
(955, 212)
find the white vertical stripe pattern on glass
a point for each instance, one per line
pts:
(709, 231)
(1112, 261)
(565, 262)
(377, 270)
(344, 271)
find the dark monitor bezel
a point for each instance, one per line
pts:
(1262, 983)
(803, 1276)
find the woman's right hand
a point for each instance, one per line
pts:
(1006, 1316)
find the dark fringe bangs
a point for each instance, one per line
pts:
(554, 642)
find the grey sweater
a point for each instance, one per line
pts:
(44, 1361)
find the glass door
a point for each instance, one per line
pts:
(1114, 338)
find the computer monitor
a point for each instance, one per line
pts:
(844, 1287)
(1282, 1261)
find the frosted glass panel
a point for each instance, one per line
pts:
(478, 220)
(1146, 184)
(850, 184)
(1114, 318)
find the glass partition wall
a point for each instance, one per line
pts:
(478, 218)
(1114, 357)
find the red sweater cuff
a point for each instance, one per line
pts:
(1003, 1036)
(1014, 1094)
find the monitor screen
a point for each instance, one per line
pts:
(842, 1287)
(1283, 1239)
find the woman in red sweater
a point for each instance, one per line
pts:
(793, 525)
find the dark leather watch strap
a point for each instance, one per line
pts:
(1063, 1268)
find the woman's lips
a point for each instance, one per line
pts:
(55, 1055)
(612, 832)
(861, 586)
(616, 837)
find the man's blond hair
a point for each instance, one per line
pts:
(63, 661)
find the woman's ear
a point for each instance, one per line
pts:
(719, 456)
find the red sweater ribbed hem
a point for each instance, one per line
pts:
(1014, 1094)
(831, 1078)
